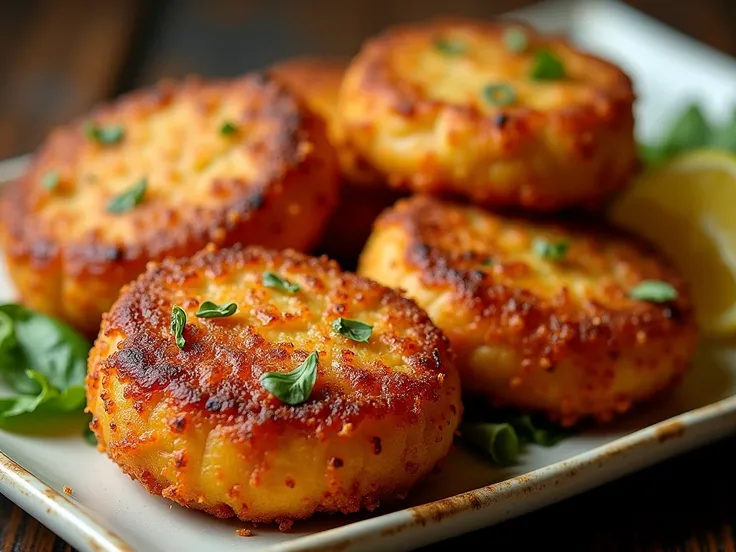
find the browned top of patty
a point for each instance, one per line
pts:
(442, 66)
(217, 373)
(202, 179)
(494, 270)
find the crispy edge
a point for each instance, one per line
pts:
(292, 153)
(543, 331)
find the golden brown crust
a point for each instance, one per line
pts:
(419, 115)
(479, 273)
(148, 358)
(277, 168)
(403, 380)
(363, 191)
(317, 81)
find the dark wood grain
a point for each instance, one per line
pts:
(59, 57)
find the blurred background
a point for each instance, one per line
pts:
(60, 57)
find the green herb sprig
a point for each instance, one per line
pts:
(546, 66)
(273, 280)
(516, 40)
(50, 181)
(105, 135)
(228, 128)
(292, 387)
(208, 309)
(129, 199)
(178, 323)
(353, 329)
(654, 291)
(450, 47)
(503, 435)
(500, 94)
(499, 441)
(551, 250)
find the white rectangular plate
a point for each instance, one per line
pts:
(108, 511)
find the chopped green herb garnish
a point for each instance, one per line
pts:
(178, 323)
(107, 135)
(516, 40)
(450, 47)
(501, 435)
(353, 329)
(228, 128)
(129, 199)
(499, 441)
(546, 66)
(50, 180)
(499, 94)
(273, 280)
(537, 430)
(554, 251)
(488, 261)
(292, 387)
(208, 309)
(654, 291)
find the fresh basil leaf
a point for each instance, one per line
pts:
(353, 329)
(689, 130)
(450, 47)
(553, 251)
(42, 344)
(499, 441)
(537, 431)
(50, 181)
(208, 309)
(45, 363)
(129, 199)
(48, 400)
(292, 387)
(228, 128)
(654, 291)
(516, 40)
(178, 323)
(546, 66)
(106, 135)
(499, 94)
(273, 280)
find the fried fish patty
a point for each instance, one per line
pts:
(539, 314)
(364, 193)
(490, 111)
(195, 425)
(159, 172)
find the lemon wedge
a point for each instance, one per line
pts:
(687, 207)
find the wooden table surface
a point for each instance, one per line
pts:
(60, 57)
